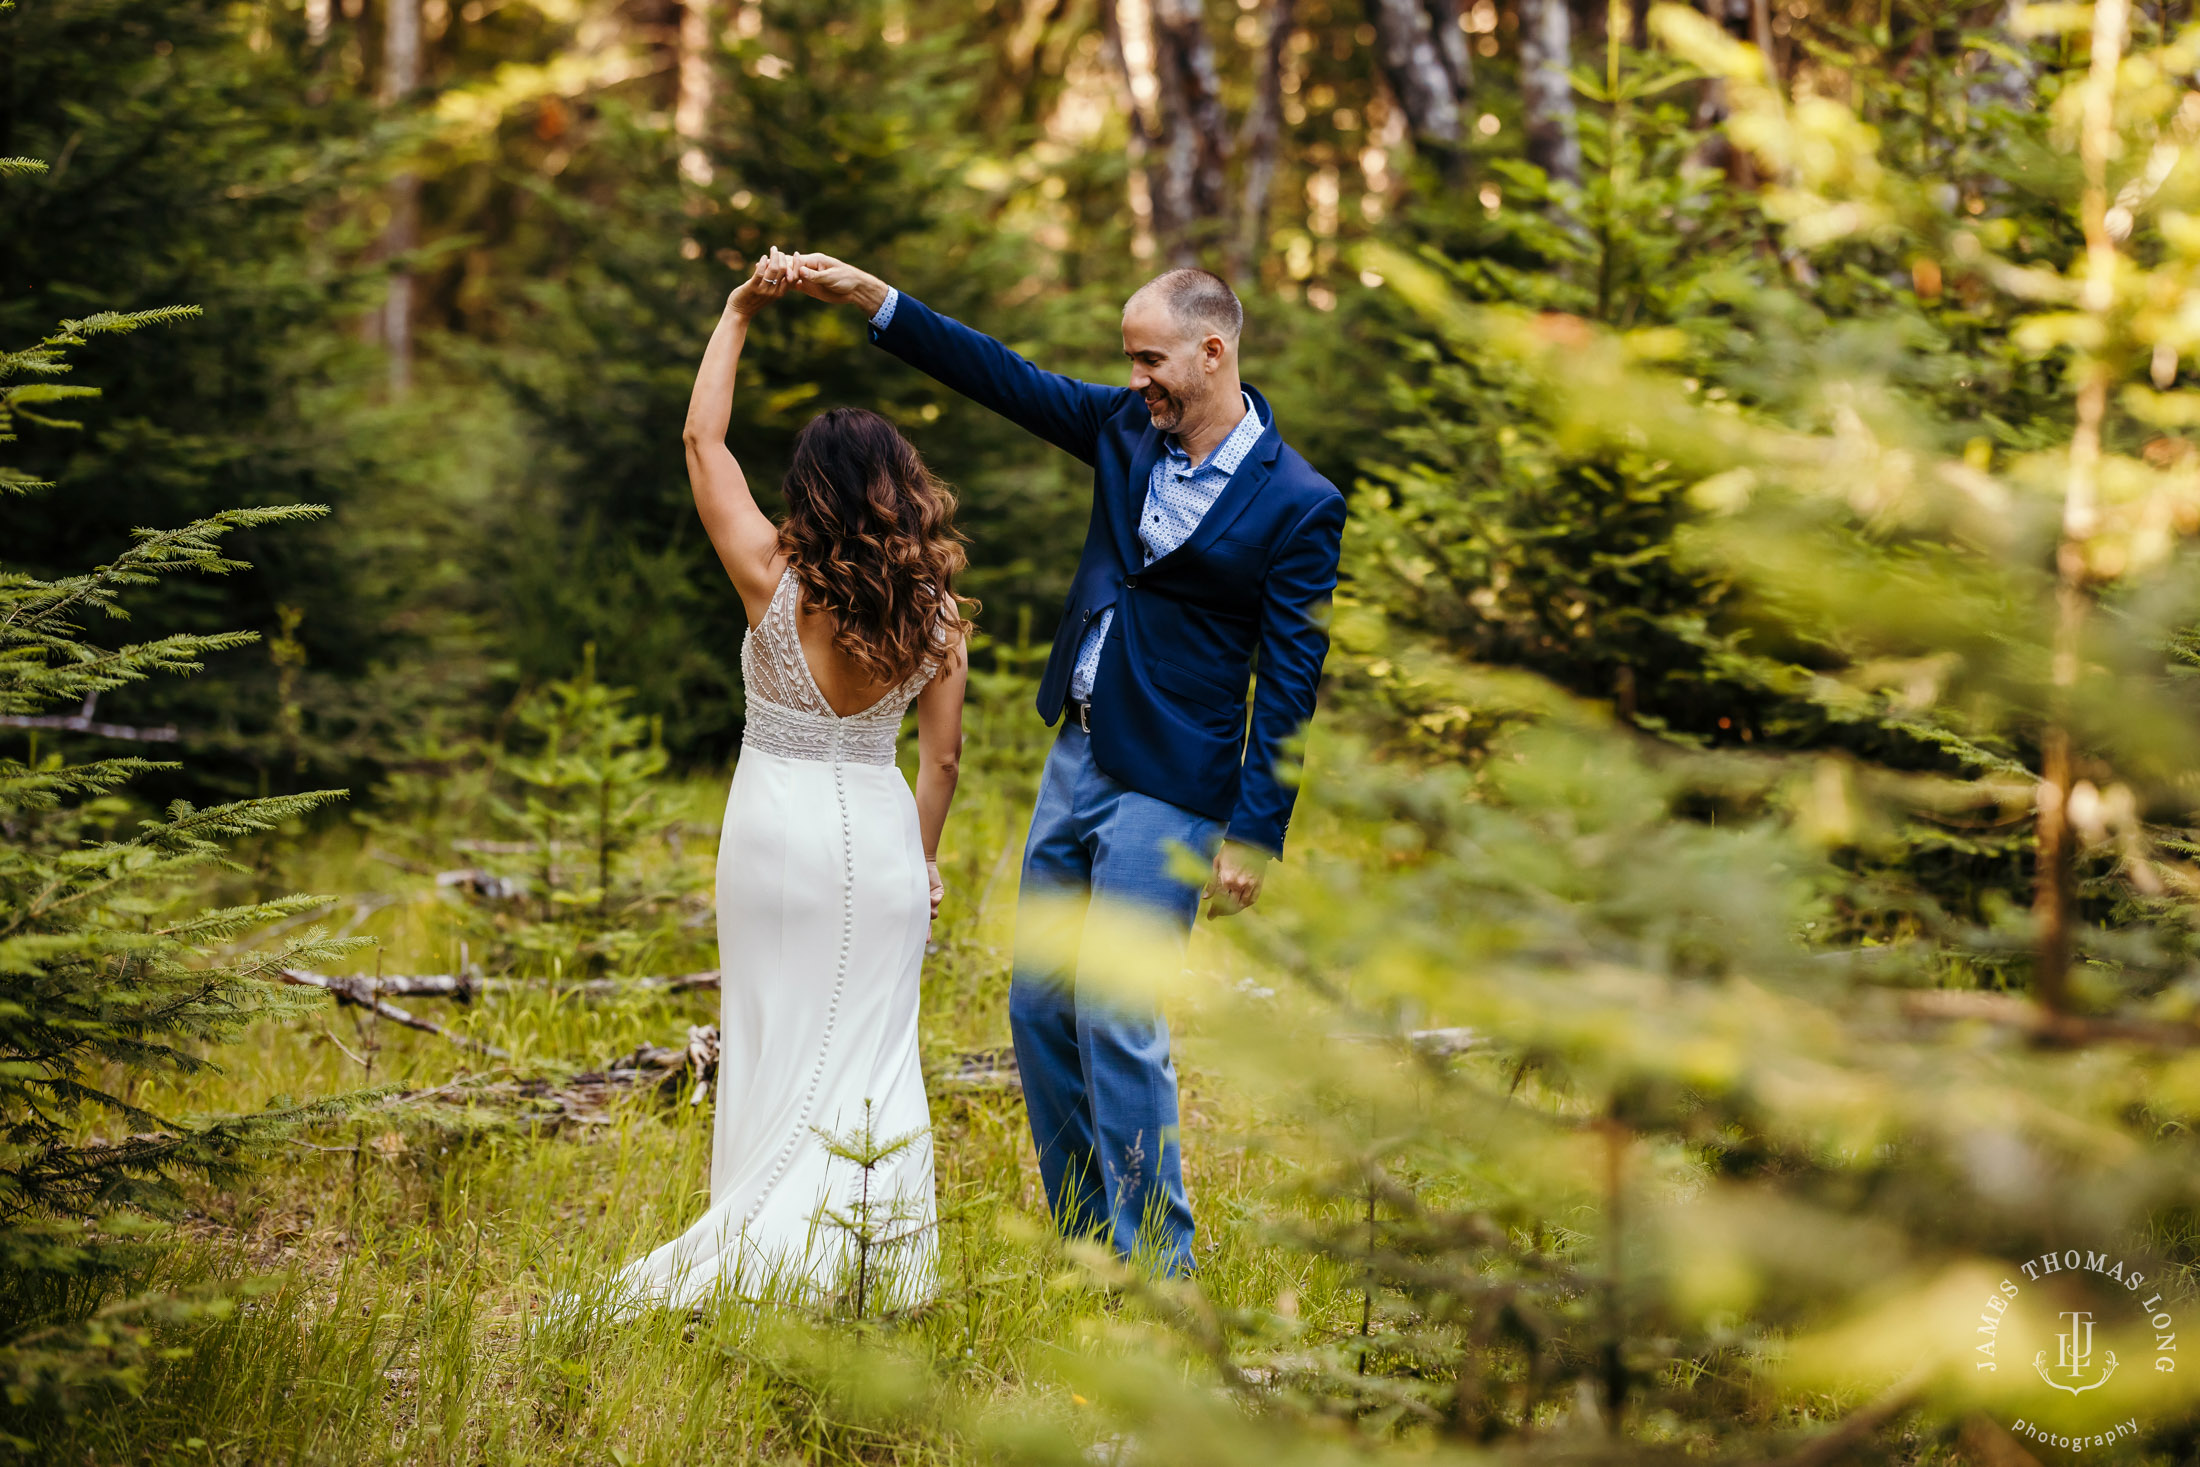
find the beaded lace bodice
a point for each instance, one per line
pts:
(788, 715)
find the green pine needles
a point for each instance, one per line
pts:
(108, 989)
(876, 1226)
(40, 365)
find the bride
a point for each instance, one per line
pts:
(827, 869)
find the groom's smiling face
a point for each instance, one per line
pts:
(1172, 364)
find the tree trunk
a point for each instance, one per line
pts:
(1191, 196)
(1413, 62)
(1451, 45)
(1760, 36)
(2053, 904)
(400, 79)
(1546, 95)
(1117, 47)
(1259, 142)
(2010, 80)
(691, 105)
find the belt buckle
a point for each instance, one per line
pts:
(1084, 717)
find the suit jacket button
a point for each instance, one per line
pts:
(1130, 583)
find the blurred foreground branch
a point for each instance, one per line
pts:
(2046, 1024)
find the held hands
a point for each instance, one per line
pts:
(772, 278)
(824, 278)
(1235, 885)
(820, 277)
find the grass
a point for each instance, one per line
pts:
(391, 1274)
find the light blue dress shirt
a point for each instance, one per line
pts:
(1178, 497)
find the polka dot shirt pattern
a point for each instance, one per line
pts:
(1178, 497)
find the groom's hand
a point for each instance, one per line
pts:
(828, 279)
(1236, 883)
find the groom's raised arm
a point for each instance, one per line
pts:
(1064, 411)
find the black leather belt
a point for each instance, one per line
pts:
(1083, 712)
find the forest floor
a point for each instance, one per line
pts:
(394, 1273)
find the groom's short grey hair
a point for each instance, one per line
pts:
(1198, 299)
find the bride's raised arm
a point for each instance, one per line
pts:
(746, 540)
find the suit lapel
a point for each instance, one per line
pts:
(1132, 504)
(1244, 485)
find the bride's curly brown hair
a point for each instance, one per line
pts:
(872, 536)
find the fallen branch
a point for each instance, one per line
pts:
(980, 1069)
(1433, 1043)
(349, 1053)
(583, 1099)
(463, 986)
(82, 721)
(1444, 1043)
(362, 992)
(1952, 1005)
(692, 1066)
(702, 982)
(486, 885)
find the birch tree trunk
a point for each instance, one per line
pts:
(1451, 45)
(400, 79)
(1546, 96)
(1132, 57)
(691, 105)
(1408, 47)
(1259, 141)
(2054, 902)
(1190, 197)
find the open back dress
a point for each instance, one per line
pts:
(823, 911)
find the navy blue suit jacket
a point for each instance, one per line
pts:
(1251, 583)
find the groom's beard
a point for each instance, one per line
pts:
(1167, 411)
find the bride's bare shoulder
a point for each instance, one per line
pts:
(760, 589)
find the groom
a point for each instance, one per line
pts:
(1212, 553)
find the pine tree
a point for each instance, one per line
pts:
(107, 984)
(586, 873)
(877, 1226)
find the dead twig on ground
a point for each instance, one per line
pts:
(464, 986)
(360, 992)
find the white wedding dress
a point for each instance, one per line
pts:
(823, 910)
